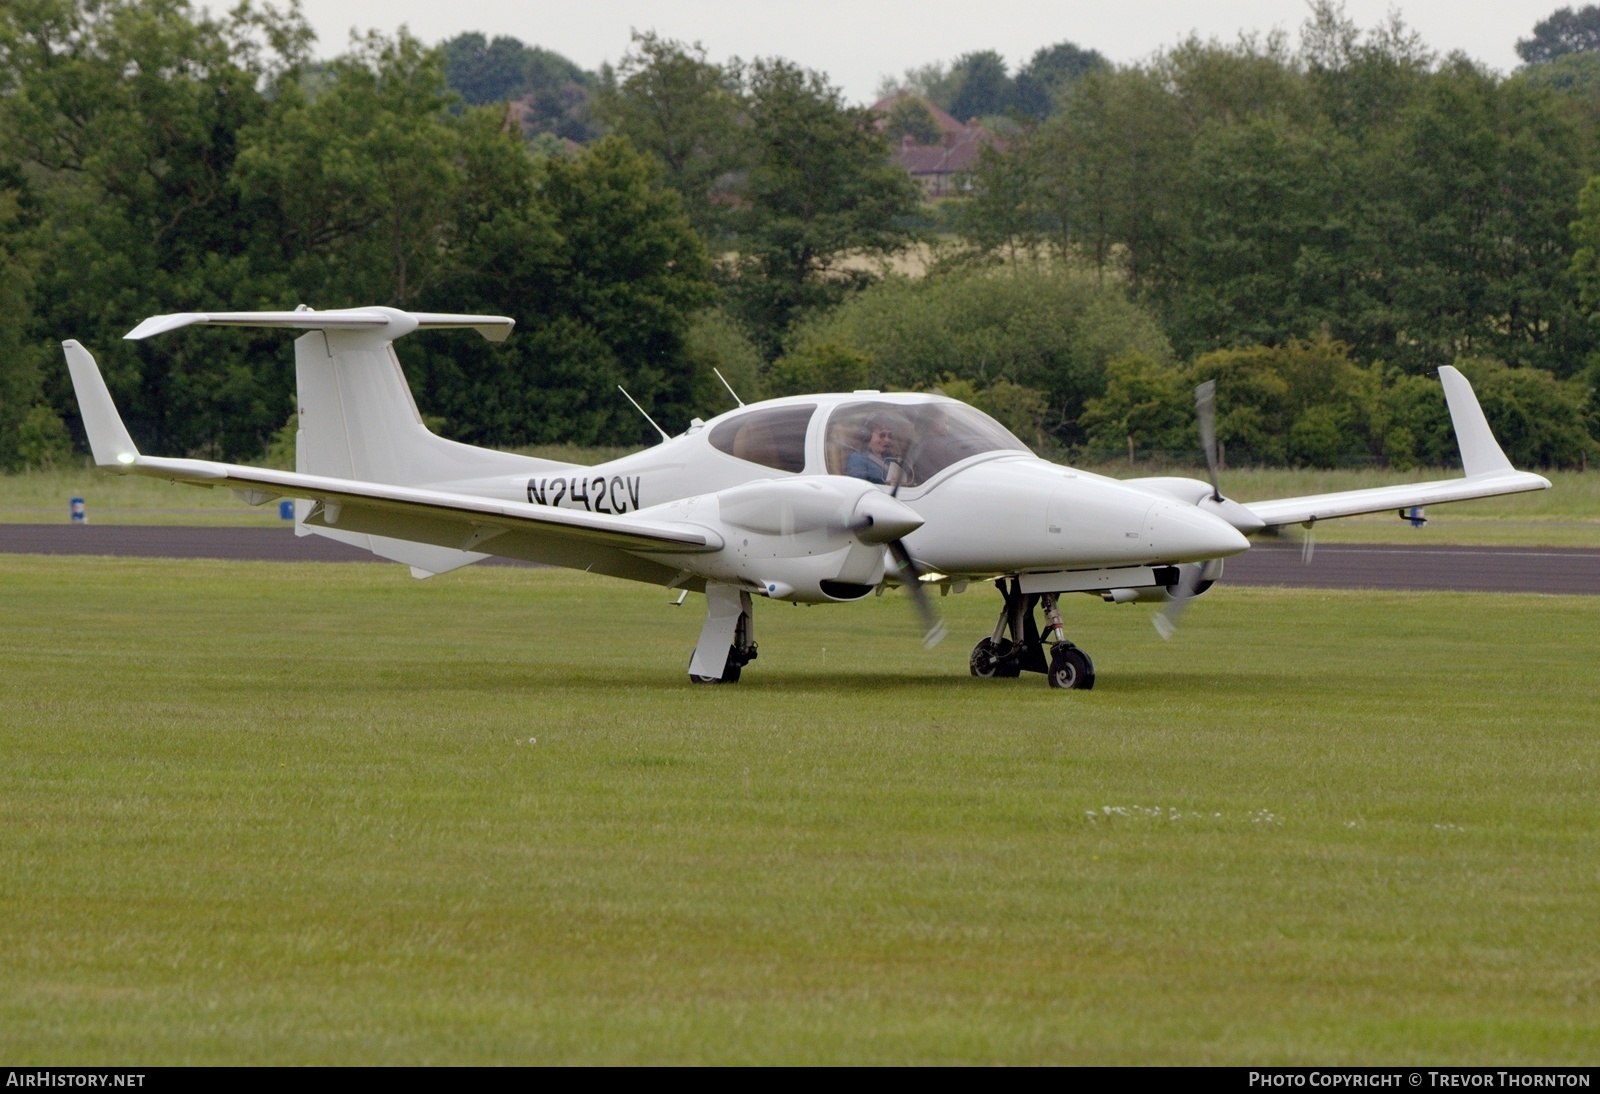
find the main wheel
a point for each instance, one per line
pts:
(993, 660)
(1070, 667)
(730, 670)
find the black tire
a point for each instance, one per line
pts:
(730, 671)
(993, 660)
(1070, 667)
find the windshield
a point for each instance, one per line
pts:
(910, 443)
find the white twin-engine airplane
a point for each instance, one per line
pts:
(813, 499)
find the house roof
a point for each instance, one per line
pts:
(957, 151)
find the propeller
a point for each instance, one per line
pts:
(1187, 588)
(908, 571)
(876, 522)
(933, 628)
(1205, 412)
(1191, 575)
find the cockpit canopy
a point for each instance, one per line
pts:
(919, 437)
(923, 437)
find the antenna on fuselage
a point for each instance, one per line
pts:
(729, 386)
(640, 409)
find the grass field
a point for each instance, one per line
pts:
(1566, 516)
(299, 813)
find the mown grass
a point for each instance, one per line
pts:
(301, 813)
(1566, 516)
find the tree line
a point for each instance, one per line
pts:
(1317, 225)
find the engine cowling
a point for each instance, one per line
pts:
(1199, 495)
(817, 539)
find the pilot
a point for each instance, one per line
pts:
(879, 461)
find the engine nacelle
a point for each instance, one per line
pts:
(1207, 572)
(818, 539)
(1199, 495)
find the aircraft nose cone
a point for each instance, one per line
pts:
(1186, 534)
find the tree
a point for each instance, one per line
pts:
(171, 162)
(1049, 73)
(1112, 165)
(1006, 208)
(1262, 261)
(21, 381)
(715, 343)
(485, 72)
(819, 188)
(1472, 225)
(1146, 404)
(910, 117)
(1360, 81)
(1047, 328)
(684, 111)
(1574, 75)
(936, 81)
(604, 274)
(553, 92)
(1565, 31)
(375, 185)
(125, 118)
(818, 366)
(983, 86)
(1538, 420)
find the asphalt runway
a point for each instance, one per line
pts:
(1344, 566)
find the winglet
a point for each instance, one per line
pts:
(1481, 454)
(108, 437)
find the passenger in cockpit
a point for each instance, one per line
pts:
(879, 462)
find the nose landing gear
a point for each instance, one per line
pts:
(1000, 657)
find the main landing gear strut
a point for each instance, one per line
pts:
(1001, 656)
(727, 641)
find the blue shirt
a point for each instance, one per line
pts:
(863, 465)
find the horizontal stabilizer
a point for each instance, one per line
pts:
(496, 328)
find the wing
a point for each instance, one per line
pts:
(341, 498)
(565, 537)
(1488, 472)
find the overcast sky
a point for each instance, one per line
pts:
(858, 41)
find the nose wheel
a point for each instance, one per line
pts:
(1016, 646)
(1070, 667)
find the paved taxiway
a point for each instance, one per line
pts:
(1333, 566)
